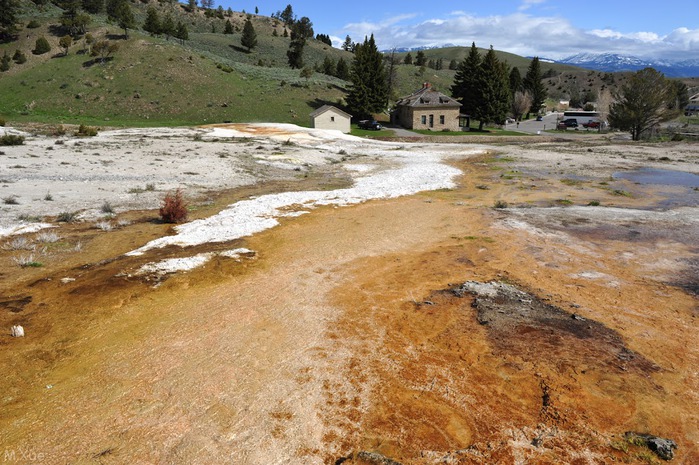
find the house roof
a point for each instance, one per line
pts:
(325, 108)
(428, 97)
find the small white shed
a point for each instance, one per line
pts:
(329, 117)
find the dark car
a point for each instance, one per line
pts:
(369, 124)
(592, 124)
(570, 123)
(539, 118)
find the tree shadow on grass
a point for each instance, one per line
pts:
(239, 49)
(96, 61)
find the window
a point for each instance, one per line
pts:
(441, 119)
(332, 119)
(423, 119)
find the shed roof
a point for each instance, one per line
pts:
(325, 108)
(428, 97)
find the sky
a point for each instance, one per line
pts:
(554, 29)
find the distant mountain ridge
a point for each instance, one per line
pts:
(608, 62)
(613, 62)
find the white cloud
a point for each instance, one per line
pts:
(526, 35)
(526, 4)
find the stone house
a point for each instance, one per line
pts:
(427, 109)
(329, 117)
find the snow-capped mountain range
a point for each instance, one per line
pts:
(615, 62)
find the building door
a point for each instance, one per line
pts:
(431, 121)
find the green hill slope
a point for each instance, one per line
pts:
(210, 78)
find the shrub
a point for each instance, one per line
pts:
(67, 217)
(86, 131)
(107, 207)
(33, 24)
(500, 204)
(41, 46)
(3, 122)
(11, 139)
(19, 57)
(10, 200)
(174, 208)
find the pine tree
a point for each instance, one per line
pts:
(348, 45)
(420, 58)
(288, 15)
(249, 37)
(9, 9)
(5, 62)
(467, 81)
(228, 28)
(124, 17)
(368, 92)
(168, 27)
(408, 60)
(181, 32)
(93, 6)
(342, 69)
(515, 78)
(19, 57)
(152, 23)
(494, 93)
(41, 46)
(532, 84)
(295, 53)
(329, 67)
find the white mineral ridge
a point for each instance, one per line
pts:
(251, 216)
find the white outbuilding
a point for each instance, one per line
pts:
(329, 117)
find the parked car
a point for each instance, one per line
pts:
(570, 123)
(592, 124)
(539, 118)
(369, 124)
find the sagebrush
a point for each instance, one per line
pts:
(174, 208)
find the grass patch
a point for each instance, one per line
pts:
(564, 202)
(10, 200)
(572, 182)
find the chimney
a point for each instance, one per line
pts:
(426, 85)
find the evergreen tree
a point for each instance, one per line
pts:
(303, 27)
(454, 65)
(19, 57)
(329, 67)
(532, 84)
(515, 78)
(152, 22)
(228, 28)
(348, 45)
(420, 58)
(93, 6)
(467, 81)
(369, 91)
(168, 27)
(181, 32)
(642, 103)
(9, 9)
(41, 46)
(295, 53)
(342, 69)
(494, 92)
(408, 60)
(125, 18)
(249, 37)
(287, 16)
(5, 62)
(324, 38)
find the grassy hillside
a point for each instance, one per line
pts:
(154, 81)
(210, 78)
